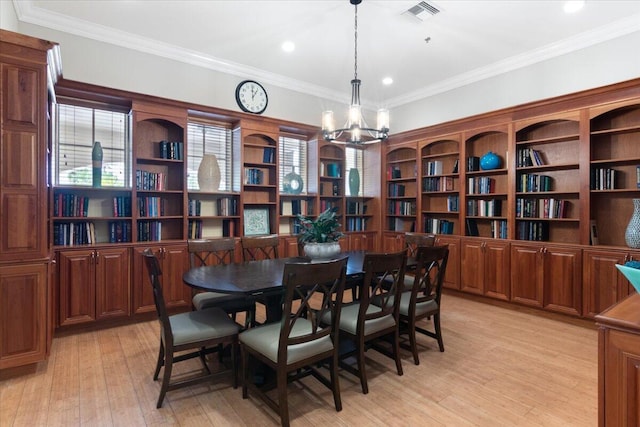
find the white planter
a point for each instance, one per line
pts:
(209, 173)
(322, 250)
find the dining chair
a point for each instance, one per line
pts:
(366, 324)
(422, 300)
(295, 347)
(412, 241)
(219, 251)
(259, 247)
(201, 331)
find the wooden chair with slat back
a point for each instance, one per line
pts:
(412, 241)
(260, 247)
(295, 346)
(219, 251)
(200, 331)
(366, 323)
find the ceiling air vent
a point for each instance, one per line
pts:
(423, 10)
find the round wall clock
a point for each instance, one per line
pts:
(251, 97)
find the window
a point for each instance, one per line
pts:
(293, 158)
(209, 138)
(77, 128)
(354, 158)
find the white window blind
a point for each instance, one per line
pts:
(354, 158)
(293, 158)
(206, 138)
(77, 129)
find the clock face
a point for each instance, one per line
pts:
(251, 97)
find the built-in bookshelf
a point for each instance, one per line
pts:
(212, 215)
(401, 189)
(332, 179)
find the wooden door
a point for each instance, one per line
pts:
(77, 287)
(289, 247)
(392, 242)
(175, 262)
(23, 314)
(361, 242)
(563, 280)
(526, 274)
(452, 275)
(496, 270)
(601, 280)
(472, 270)
(112, 283)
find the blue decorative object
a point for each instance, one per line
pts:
(632, 275)
(354, 181)
(490, 161)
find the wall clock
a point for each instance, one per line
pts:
(251, 97)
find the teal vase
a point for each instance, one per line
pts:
(96, 159)
(354, 182)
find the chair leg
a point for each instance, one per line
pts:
(396, 351)
(168, 367)
(283, 406)
(245, 372)
(413, 341)
(361, 369)
(160, 361)
(436, 324)
(335, 385)
(234, 363)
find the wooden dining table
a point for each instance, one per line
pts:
(261, 279)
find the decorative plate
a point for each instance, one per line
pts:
(292, 183)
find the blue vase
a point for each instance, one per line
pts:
(490, 161)
(354, 181)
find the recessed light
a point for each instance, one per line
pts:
(387, 81)
(288, 46)
(573, 6)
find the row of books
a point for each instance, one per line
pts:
(70, 205)
(528, 157)
(481, 185)
(119, 231)
(499, 229)
(356, 224)
(356, 208)
(453, 204)
(531, 182)
(253, 176)
(171, 150)
(432, 168)
(296, 207)
(398, 207)
(394, 172)
(269, 155)
(150, 181)
(492, 207)
(532, 230)
(149, 231)
(223, 206)
(328, 204)
(438, 226)
(74, 233)
(603, 178)
(444, 183)
(122, 206)
(151, 206)
(541, 208)
(396, 190)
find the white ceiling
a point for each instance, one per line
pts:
(469, 40)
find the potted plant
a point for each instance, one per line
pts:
(320, 235)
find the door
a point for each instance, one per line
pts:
(112, 283)
(76, 281)
(496, 270)
(563, 280)
(526, 274)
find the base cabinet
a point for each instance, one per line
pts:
(174, 261)
(93, 285)
(362, 242)
(483, 269)
(23, 314)
(392, 242)
(452, 275)
(619, 364)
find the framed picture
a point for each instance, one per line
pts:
(594, 233)
(256, 221)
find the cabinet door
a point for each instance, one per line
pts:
(472, 266)
(392, 242)
(601, 280)
(142, 291)
(452, 275)
(526, 274)
(289, 247)
(361, 242)
(496, 270)
(112, 283)
(175, 262)
(563, 280)
(76, 281)
(23, 314)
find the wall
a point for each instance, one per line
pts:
(108, 65)
(8, 18)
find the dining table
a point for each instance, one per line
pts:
(262, 279)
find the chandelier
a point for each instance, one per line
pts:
(356, 129)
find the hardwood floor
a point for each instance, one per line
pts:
(501, 367)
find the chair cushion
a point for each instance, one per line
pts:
(229, 303)
(201, 325)
(349, 319)
(266, 340)
(430, 306)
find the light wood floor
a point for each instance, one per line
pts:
(501, 367)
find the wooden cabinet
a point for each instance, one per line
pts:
(25, 327)
(604, 285)
(452, 275)
(362, 241)
(24, 315)
(93, 284)
(392, 242)
(547, 276)
(619, 364)
(484, 268)
(174, 262)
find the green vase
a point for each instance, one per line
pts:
(354, 182)
(96, 159)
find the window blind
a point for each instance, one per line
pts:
(207, 138)
(293, 158)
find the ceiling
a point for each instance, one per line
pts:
(465, 42)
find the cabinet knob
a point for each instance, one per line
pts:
(97, 257)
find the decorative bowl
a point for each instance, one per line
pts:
(632, 274)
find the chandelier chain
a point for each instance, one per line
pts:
(355, 49)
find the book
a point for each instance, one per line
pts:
(473, 164)
(472, 227)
